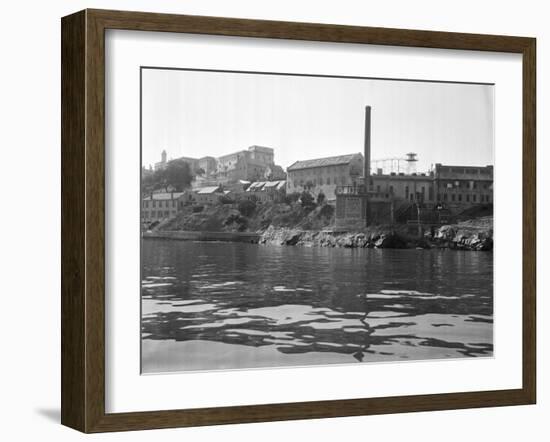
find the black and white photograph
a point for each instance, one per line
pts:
(292, 220)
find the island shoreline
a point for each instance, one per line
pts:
(470, 235)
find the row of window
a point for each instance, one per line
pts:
(156, 214)
(467, 198)
(304, 173)
(328, 181)
(458, 197)
(161, 203)
(482, 171)
(463, 184)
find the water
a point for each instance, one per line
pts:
(208, 306)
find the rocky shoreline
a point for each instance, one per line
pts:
(475, 235)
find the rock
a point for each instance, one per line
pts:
(293, 239)
(471, 235)
(390, 241)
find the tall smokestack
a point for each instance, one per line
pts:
(366, 167)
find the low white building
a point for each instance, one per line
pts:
(208, 195)
(266, 190)
(159, 206)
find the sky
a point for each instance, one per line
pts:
(198, 113)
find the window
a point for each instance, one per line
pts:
(166, 213)
(459, 197)
(154, 204)
(328, 180)
(467, 198)
(411, 197)
(391, 190)
(321, 181)
(444, 197)
(474, 198)
(453, 197)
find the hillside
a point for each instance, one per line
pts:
(292, 224)
(235, 218)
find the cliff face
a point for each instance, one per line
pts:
(476, 234)
(468, 235)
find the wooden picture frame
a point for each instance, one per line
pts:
(83, 220)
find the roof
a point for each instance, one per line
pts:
(275, 184)
(265, 185)
(255, 185)
(323, 162)
(207, 190)
(164, 196)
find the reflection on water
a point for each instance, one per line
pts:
(212, 305)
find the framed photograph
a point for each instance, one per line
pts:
(270, 220)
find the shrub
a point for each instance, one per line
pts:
(226, 200)
(291, 197)
(241, 222)
(197, 209)
(247, 207)
(307, 200)
(326, 211)
(320, 198)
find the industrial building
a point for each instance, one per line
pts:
(379, 198)
(325, 174)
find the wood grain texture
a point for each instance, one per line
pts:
(73, 128)
(529, 221)
(83, 219)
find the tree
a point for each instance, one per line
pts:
(199, 171)
(147, 180)
(178, 175)
(292, 197)
(307, 200)
(152, 181)
(246, 207)
(224, 199)
(309, 185)
(320, 198)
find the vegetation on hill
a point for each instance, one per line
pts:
(250, 216)
(177, 176)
